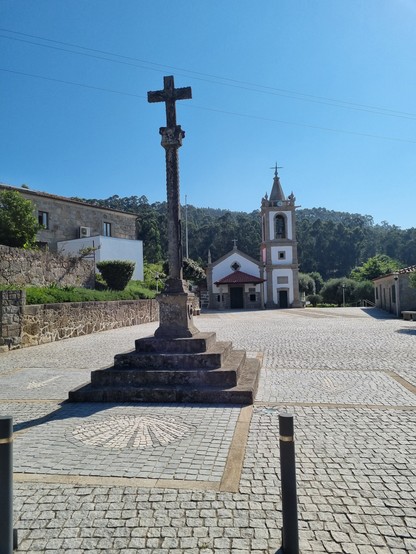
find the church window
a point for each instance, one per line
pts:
(252, 297)
(280, 227)
(235, 266)
(282, 255)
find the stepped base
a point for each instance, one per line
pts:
(186, 370)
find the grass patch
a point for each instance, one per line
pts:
(53, 294)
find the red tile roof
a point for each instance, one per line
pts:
(239, 278)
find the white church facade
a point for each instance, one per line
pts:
(237, 281)
(279, 248)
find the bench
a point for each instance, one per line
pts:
(409, 315)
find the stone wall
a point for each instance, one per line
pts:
(50, 322)
(11, 312)
(42, 267)
(31, 325)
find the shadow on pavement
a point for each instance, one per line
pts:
(376, 313)
(68, 410)
(406, 331)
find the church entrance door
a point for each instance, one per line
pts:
(236, 298)
(283, 303)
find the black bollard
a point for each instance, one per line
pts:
(290, 532)
(6, 485)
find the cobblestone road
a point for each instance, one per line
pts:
(102, 478)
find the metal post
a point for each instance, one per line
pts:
(6, 485)
(290, 532)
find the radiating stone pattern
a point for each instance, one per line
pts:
(132, 431)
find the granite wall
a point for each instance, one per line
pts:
(42, 267)
(11, 317)
(31, 325)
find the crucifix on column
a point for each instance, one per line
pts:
(172, 136)
(175, 303)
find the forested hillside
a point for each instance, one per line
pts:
(331, 243)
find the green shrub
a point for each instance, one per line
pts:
(314, 299)
(116, 273)
(53, 294)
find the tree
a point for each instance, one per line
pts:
(335, 291)
(412, 280)
(381, 264)
(18, 223)
(319, 282)
(192, 271)
(306, 284)
(364, 290)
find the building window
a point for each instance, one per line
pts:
(283, 280)
(252, 297)
(235, 266)
(376, 293)
(393, 294)
(107, 229)
(43, 218)
(281, 255)
(280, 227)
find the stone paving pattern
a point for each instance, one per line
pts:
(157, 484)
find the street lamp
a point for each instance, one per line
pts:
(396, 296)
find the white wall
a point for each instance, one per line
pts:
(289, 285)
(223, 268)
(275, 255)
(109, 248)
(288, 216)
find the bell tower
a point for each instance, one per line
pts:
(279, 248)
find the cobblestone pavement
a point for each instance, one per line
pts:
(106, 478)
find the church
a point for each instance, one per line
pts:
(237, 281)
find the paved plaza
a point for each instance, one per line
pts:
(156, 478)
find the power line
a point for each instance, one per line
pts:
(194, 106)
(223, 81)
(71, 83)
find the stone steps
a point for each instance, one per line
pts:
(226, 375)
(243, 393)
(197, 369)
(213, 358)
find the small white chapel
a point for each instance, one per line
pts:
(237, 281)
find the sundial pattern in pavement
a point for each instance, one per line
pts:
(141, 441)
(132, 431)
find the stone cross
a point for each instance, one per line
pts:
(169, 95)
(172, 136)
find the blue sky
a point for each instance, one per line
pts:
(325, 88)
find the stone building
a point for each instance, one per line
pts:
(279, 249)
(70, 225)
(393, 293)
